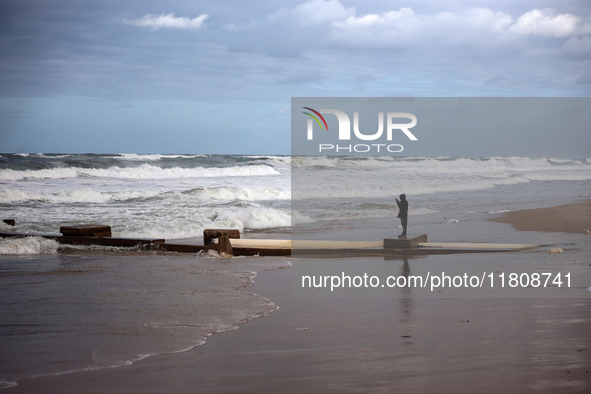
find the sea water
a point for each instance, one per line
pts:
(164, 196)
(177, 196)
(68, 309)
(329, 188)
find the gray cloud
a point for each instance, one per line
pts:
(295, 47)
(578, 47)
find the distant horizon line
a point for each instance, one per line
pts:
(26, 154)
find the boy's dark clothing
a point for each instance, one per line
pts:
(403, 207)
(403, 212)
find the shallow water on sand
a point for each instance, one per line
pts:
(85, 310)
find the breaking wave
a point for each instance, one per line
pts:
(374, 177)
(153, 157)
(28, 245)
(144, 171)
(445, 165)
(87, 195)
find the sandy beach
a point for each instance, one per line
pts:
(570, 218)
(392, 344)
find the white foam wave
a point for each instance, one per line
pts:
(444, 165)
(241, 194)
(375, 177)
(145, 171)
(255, 218)
(299, 218)
(311, 161)
(151, 157)
(9, 196)
(53, 173)
(190, 223)
(28, 245)
(4, 384)
(87, 195)
(281, 163)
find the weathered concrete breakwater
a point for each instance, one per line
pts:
(228, 241)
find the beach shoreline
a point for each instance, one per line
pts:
(568, 218)
(407, 343)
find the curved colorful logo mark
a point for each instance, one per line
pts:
(315, 118)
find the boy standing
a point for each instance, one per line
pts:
(403, 214)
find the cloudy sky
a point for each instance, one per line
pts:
(177, 76)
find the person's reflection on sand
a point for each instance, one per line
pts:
(406, 305)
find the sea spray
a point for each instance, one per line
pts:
(28, 245)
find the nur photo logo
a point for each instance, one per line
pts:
(395, 121)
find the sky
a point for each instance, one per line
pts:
(217, 77)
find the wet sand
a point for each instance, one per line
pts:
(388, 344)
(570, 218)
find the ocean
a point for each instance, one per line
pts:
(68, 309)
(164, 196)
(177, 196)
